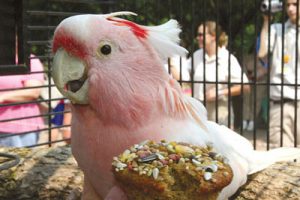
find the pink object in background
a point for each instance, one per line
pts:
(23, 110)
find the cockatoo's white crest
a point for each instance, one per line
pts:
(115, 14)
(164, 38)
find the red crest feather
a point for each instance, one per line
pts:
(136, 29)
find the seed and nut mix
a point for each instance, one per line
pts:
(149, 157)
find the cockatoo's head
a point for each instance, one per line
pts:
(100, 56)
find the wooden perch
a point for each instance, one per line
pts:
(43, 173)
(52, 173)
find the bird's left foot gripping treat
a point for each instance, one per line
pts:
(171, 171)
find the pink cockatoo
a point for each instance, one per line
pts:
(112, 71)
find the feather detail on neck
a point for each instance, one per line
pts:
(171, 99)
(176, 104)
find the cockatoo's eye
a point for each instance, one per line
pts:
(105, 49)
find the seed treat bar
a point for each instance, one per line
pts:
(171, 171)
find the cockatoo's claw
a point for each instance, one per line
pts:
(116, 193)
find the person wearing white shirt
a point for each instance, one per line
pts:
(284, 75)
(218, 70)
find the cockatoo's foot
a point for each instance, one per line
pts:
(89, 192)
(116, 193)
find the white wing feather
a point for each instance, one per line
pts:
(243, 159)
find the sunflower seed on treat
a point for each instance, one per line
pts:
(159, 164)
(155, 173)
(170, 148)
(120, 165)
(184, 150)
(212, 154)
(131, 157)
(145, 147)
(208, 169)
(148, 158)
(196, 162)
(221, 166)
(141, 168)
(149, 173)
(225, 173)
(211, 168)
(116, 159)
(214, 167)
(135, 169)
(154, 150)
(159, 156)
(199, 168)
(133, 150)
(126, 152)
(181, 161)
(155, 163)
(134, 164)
(165, 154)
(207, 176)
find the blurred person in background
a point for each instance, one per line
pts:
(60, 115)
(13, 94)
(211, 65)
(257, 74)
(283, 71)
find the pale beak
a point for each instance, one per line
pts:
(70, 77)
